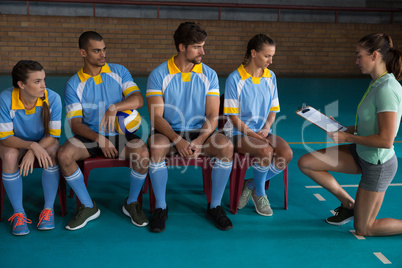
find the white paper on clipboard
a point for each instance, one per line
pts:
(321, 120)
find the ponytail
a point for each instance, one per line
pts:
(246, 59)
(394, 62)
(46, 117)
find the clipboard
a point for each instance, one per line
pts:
(319, 119)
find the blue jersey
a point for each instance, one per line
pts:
(184, 94)
(250, 98)
(89, 97)
(16, 121)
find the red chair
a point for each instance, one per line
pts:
(61, 191)
(100, 162)
(176, 160)
(240, 165)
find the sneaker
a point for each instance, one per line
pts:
(82, 217)
(245, 195)
(46, 220)
(343, 215)
(157, 221)
(134, 211)
(218, 215)
(19, 222)
(262, 205)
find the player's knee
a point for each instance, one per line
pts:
(64, 154)
(10, 156)
(226, 150)
(285, 156)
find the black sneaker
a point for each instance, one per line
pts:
(343, 215)
(218, 215)
(82, 217)
(136, 214)
(157, 221)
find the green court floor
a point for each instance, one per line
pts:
(297, 237)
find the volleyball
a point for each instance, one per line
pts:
(128, 121)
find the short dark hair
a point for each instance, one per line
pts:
(189, 33)
(83, 41)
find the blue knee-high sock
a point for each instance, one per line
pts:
(136, 182)
(50, 183)
(220, 175)
(13, 184)
(159, 175)
(259, 179)
(273, 171)
(76, 182)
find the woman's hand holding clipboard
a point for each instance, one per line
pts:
(319, 119)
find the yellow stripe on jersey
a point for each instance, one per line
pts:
(97, 79)
(256, 80)
(186, 77)
(127, 91)
(16, 103)
(153, 94)
(213, 94)
(74, 113)
(173, 69)
(55, 132)
(275, 109)
(245, 75)
(6, 133)
(230, 110)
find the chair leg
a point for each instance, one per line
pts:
(2, 194)
(236, 185)
(207, 179)
(286, 182)
(152, 200)
(62, 195)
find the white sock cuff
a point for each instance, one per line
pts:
(11, 176)
(260, 168)
(74, 176)
(223, 164)
(53, 169)
(274, 169)
(137, 175)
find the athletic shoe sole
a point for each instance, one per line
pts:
(341, 222)
(96, 215)
(20, 234)
(262, 214)
(216, 225)
(132, 221)
(45, 228)
(157, 230)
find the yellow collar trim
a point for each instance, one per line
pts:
(16, 103)
(245, 75)
(174, 70)
(84, 77)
